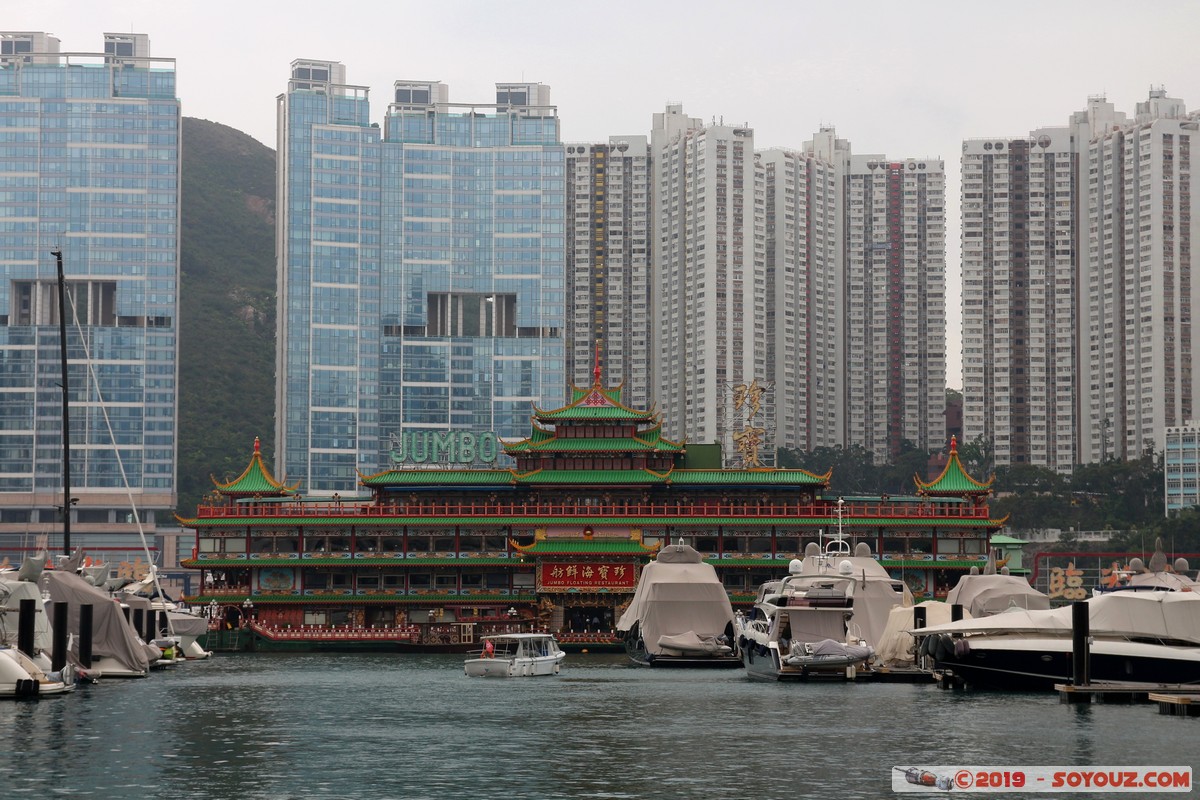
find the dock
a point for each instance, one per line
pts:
(1177, 705)
(1124, 693)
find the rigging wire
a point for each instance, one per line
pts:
(94, 385)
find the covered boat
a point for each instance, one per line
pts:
(982, 595)
(897, 647)
(1134, 637)
(680, 614)
(832, 594)
(117, 652)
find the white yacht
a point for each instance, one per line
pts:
(824, 619)
(1144, 637)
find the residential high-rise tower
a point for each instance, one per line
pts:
(421, 273)
(1077, 286)
(89, 167)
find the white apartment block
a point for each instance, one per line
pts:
(856, 262)
(608, 264)
(1019, 291)
(710, 293)
(1077, 286)
(895, 327)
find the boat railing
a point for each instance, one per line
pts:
(713, 509)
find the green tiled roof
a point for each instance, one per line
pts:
(930, 564)
(594, 412)
(440, 477)
(595, 402)
(256, 479)
(954, 480)
(547, 441)
(746, 477)
(607, 477)
(606, 546)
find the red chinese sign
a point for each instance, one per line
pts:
(588, 576)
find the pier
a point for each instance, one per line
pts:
(1123, 693)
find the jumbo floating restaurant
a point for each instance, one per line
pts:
(435, 556)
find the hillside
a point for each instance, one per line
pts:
(227, 305)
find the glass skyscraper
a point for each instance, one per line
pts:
(89, 166)
(421, 274)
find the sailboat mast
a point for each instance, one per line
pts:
(66, 413)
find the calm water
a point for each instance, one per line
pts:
(376, 726)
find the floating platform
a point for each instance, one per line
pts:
(1119, 692)
(1177, 705)
(898, 675)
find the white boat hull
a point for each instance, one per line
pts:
(513, 667)
(520, 655)
(21, 677)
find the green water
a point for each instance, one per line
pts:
(413, 726)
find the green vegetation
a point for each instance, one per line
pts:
(1122, 496)
(227, 306)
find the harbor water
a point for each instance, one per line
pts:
(413, 726)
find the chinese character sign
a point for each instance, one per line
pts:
(1067, 583)
(586, 576)
(749, 436)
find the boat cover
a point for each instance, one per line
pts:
(897, 646)
(678, 593)
(1164, 581)
(874, 589)
(12, 592)
(990, 594)
(112, 635)
(691, 643)
(1123, 614)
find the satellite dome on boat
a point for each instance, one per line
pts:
(845, 568)
(1181, 564)
(795, 566)
(812, 549)
(862, 550)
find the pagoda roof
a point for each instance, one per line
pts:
(954, 480)
(596, 402)
(542, 440)
(459, 478)
(256, 479)
(608, 477)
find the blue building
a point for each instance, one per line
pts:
(421, 273)
(89, 166)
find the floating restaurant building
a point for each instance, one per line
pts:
(437, 555)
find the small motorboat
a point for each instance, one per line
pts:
(515, 655)
(828, 654)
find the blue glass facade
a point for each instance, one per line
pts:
(89, 164)
(422, 274)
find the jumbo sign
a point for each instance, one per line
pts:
(443, 447)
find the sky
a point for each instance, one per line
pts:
(906, 79)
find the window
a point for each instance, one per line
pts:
(462, 314)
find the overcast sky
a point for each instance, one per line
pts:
(901, 79)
